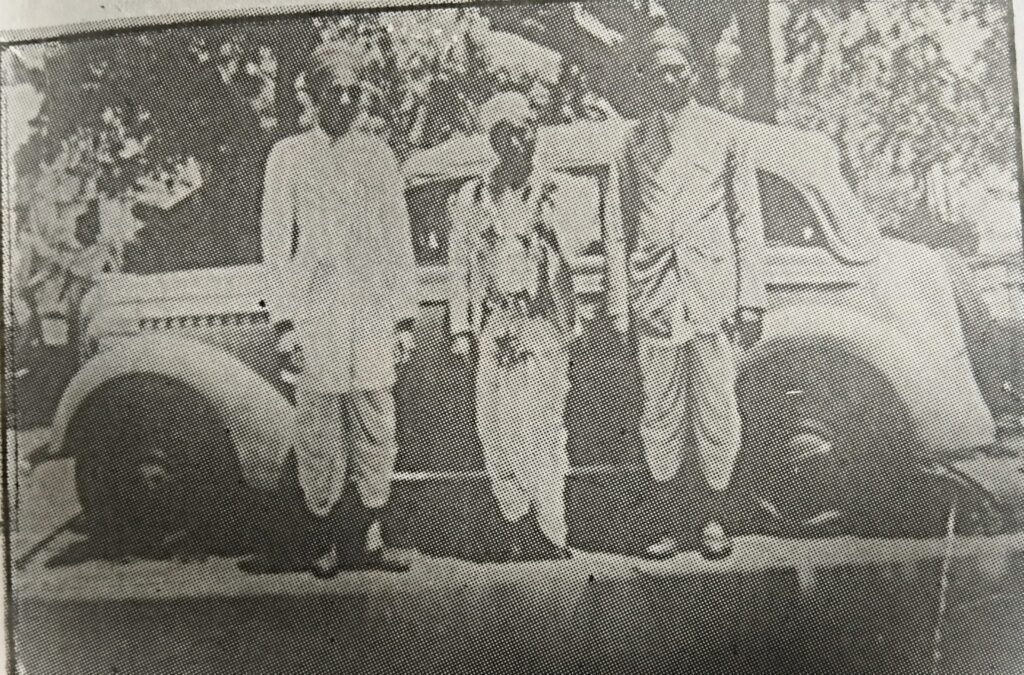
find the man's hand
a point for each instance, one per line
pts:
(403, 345)
(621, 324)
(289, 355)
(747, 326)
(462, 347)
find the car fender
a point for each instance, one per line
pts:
(941, 397)
(260, 421)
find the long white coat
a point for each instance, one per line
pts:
(690, 247)
(352, 277)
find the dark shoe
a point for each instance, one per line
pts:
(510, 553)
(663, 549)
(511, 548)
(715, 543)
(325, 565)
(352, 535)
(541, 550)
(529, 543)
(324, 553)
(348, 532)
(384, 560)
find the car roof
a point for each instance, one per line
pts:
(805, 158)
(795, 154)
(565, 146)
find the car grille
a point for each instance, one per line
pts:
(203, 321)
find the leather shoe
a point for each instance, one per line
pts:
(663, 549)
(325, 565)
(530, 544)
(715, 543)
(385, 561)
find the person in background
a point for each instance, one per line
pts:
(336, 239)
(512, 293)
(685, 268)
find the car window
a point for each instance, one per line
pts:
(577, 215)
(579, 212)
(789, 219)
(430, 221)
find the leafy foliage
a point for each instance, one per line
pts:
(129, 111)
(141, 104)
(123, 113)
(907, 97)
(425, 72)
(917, 95)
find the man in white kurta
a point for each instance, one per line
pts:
(347, 282)
(511, 291)
(686, 267)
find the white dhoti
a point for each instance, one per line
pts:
(690, 403)
(520, 421)
(345, 438)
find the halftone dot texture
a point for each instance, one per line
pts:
(915, 355)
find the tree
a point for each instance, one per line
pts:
(425, 67)
(601, 40)
(881, 78)
(757, 63)
(129, 110)
(917, 95)
(123, 111)
(141, 103)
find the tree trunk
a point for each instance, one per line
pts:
(703, 21)
(758, 64)
(611, 72)
(292, 50)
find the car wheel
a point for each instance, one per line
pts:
(153, 464)
(956, 501)
(827, 442)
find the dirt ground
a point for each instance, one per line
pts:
(821, 605)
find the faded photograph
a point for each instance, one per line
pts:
(532, 337)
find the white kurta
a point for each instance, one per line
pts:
(353, 276)
(351, 279)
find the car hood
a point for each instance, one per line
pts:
(222, 290)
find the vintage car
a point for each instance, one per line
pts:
(859, 403)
